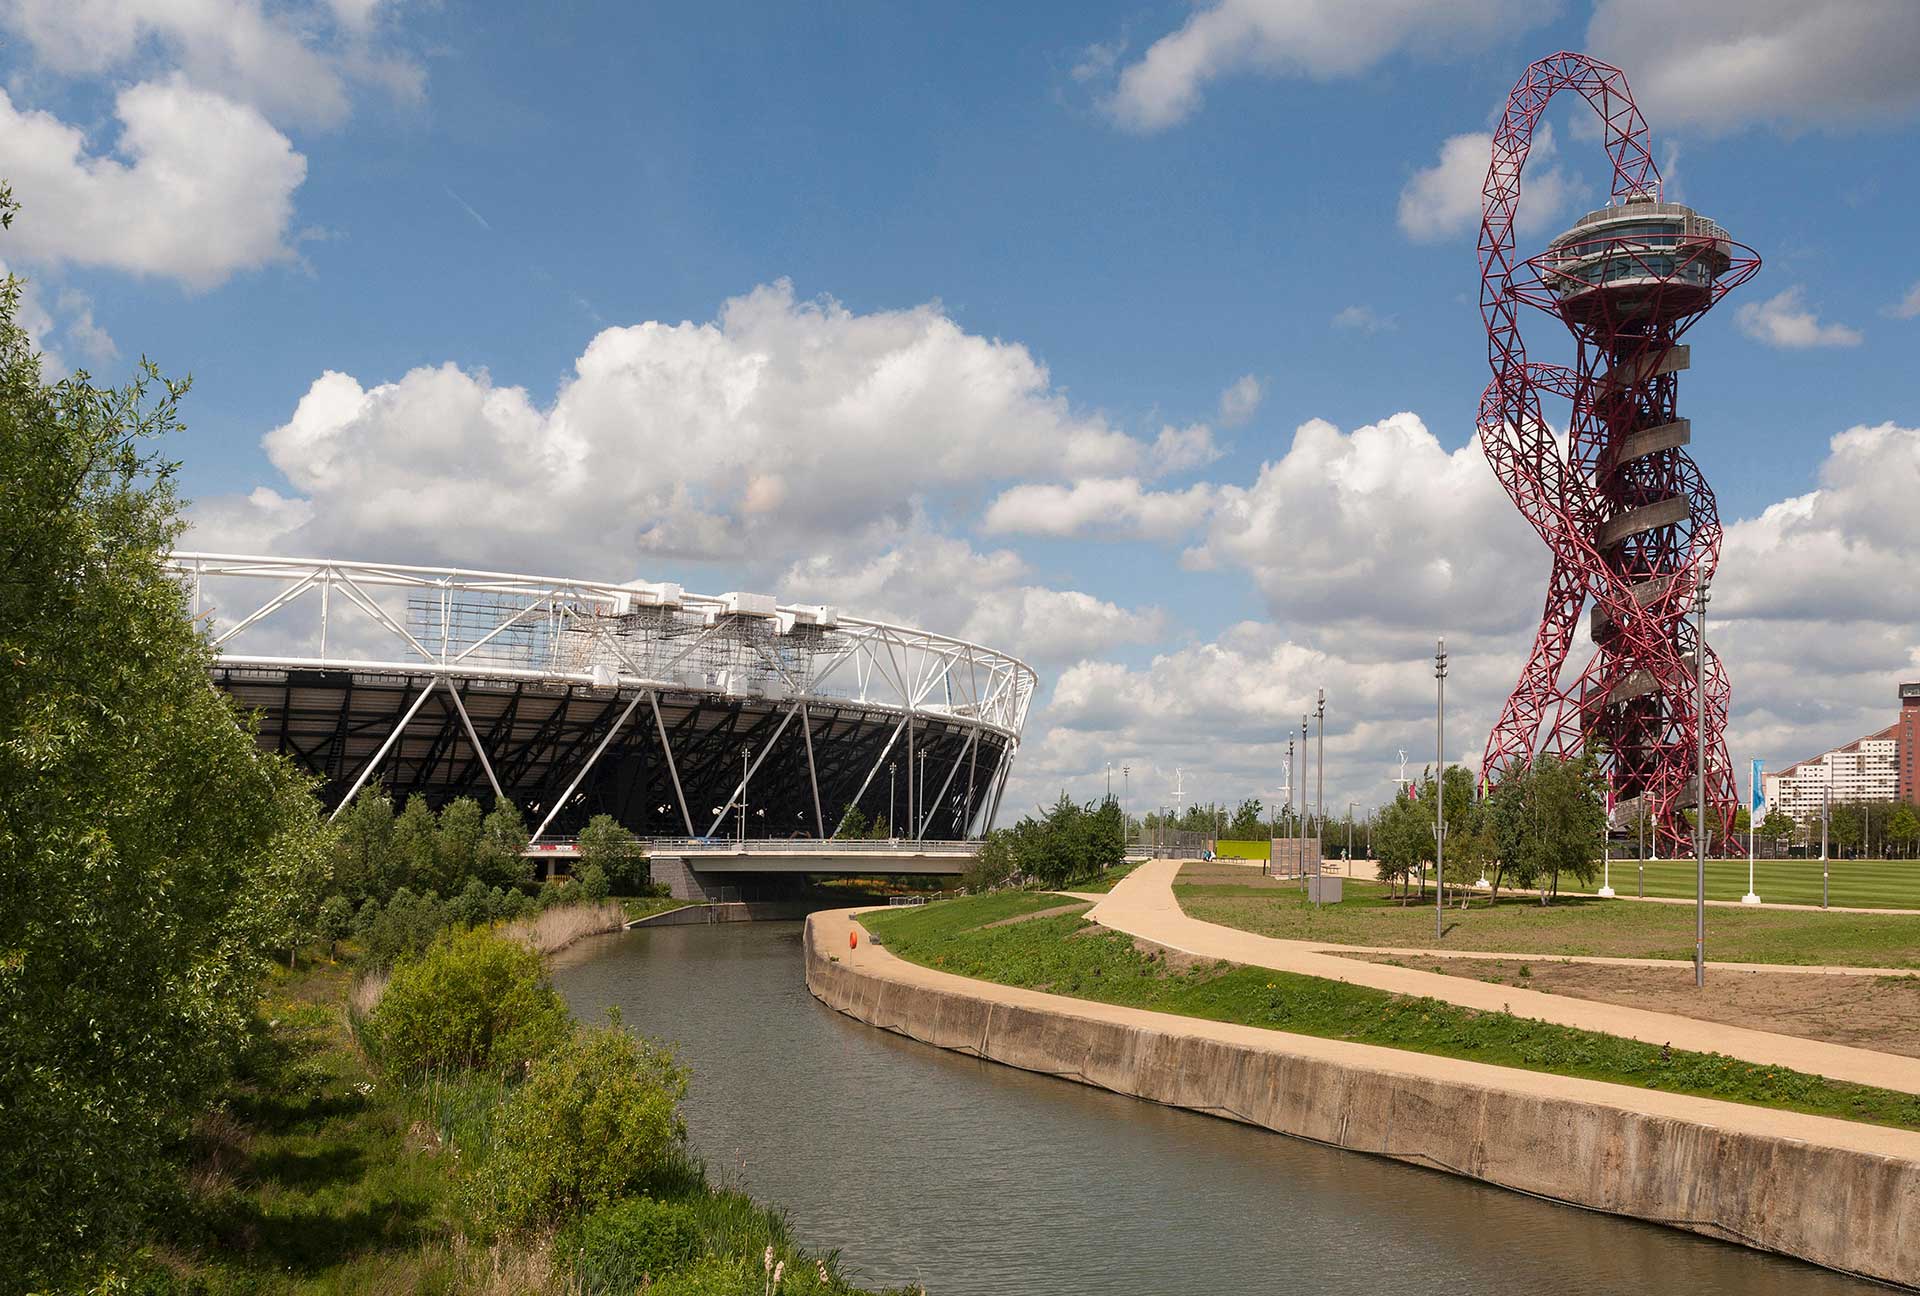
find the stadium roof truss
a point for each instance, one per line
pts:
(455, 631)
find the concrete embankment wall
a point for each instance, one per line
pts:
(1841, 1207)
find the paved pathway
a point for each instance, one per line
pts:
(832, 927)
(1143, 905)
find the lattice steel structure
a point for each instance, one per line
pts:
(1631, 523)
(681, 714)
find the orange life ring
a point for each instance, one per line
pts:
(853, 939)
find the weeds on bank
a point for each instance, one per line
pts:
(1067, 955)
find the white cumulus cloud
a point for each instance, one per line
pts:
(1784, 320)
(198, 188)
(1112, 507)
(1310, 38)
(1241, 399)
(1443, 201)
(1722, 64)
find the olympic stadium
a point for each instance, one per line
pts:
(683, 715)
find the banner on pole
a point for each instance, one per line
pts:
(1753, 787)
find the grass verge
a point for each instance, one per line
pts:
(647, 906)
(1069, 956)
(1576, 925)
(1106, 881)
(319, 1176)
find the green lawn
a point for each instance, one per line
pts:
(1860, 884)
(1066, 955)
(1105, 882)
(1518, 924)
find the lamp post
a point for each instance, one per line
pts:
(1320, 762)
(1303, 784)
(746, 754)
(1440, 789)
(1126, 818)
(893, 824)
(1109, 780)
(1700, 597)
(1826, 815)
(915, 809)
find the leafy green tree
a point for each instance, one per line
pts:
(456, 845)
(297, 872)
(594, 884)
(364, 862)
(606, 844)
(1777, 826)
(140, 826)
(500, 858)
(1903, 828)
(416, 860)
(880, 831)
(1547, 818)
(1402, 841)
(335, 921)
(852, 826)
(1248, 822)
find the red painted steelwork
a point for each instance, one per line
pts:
(1635, 702)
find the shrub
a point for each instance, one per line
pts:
(365, 917)
(596, 1120)
(593, 882)
(475, 999)
(336, 920)
(713, 1276)
(634, 1241)
(404, 928)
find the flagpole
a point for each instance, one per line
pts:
(1606, 850)
(1753, 807)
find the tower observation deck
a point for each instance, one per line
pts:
(1632, 525)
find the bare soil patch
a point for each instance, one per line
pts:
(1872, 1012)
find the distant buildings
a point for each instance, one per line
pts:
(1878, 767)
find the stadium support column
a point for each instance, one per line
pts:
(566, 796)
(385, 747)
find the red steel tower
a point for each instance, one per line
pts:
(1630, 521)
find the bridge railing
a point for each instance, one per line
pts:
(808, 846)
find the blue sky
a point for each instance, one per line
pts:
(1068, 231)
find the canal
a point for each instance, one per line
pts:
(975, 1179)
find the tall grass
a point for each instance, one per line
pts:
(554, 929)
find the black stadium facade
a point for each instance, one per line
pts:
(682, 715)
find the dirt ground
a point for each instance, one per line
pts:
(1881, 1013)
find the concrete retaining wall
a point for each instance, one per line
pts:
(732, 911)
(1837, 1207)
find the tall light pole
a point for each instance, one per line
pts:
(893, 823)
(1700, 597)
(1440, 790)
(1320, 761)
(1126, 817)
(1109, 780)
(1303, 782)
(1291, 813)
(746, 754)
(1826, 814)
(914, 809)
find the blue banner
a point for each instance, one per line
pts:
(1759, 796)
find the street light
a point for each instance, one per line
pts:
(919, 819)
(1320, 761)
(1126, 816)
(1303, 785)
(1440, 790)
(893, 824)
(1700, 597)
(746, 754)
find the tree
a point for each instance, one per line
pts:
(1777, 826)
(607, 845)
(1248, 822)
(593, 882)
(140, 825)
(500, 859)
(416, 863)
(1903, 828)
(335, 921)
(1547, 818)
(363, 854)
(853, 824)
(456, 845)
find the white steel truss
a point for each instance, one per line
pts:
(453, 626)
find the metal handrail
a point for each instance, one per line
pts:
(810, 846)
